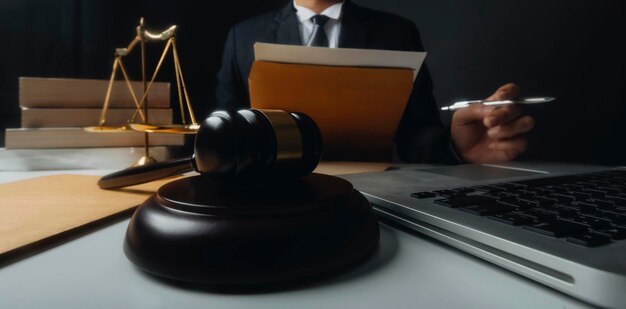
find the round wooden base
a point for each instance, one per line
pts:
(270, 233)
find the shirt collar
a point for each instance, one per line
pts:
(304, 14)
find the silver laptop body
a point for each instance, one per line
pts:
(596, 275)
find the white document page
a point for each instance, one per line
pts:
(350, 57)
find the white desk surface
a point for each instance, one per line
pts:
(408, 271)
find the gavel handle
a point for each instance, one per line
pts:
(141, 174)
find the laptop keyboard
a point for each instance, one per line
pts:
(585, 209)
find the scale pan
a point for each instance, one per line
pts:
(105, 129)
(165, 128)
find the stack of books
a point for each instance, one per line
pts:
(55, 111)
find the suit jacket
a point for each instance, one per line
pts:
(420, 136)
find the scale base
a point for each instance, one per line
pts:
(145, 160)
(165, 128)
(105, 129)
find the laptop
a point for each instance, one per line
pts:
(563, 225)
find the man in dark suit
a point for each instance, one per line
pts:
(477, 134)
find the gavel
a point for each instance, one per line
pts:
(239, 147)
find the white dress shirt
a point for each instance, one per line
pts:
(332, 26)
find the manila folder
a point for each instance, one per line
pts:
(356, 108)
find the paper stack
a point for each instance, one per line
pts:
(356, 96)
(55, 110)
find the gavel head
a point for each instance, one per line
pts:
(255, 145)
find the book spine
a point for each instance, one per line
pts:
(37, 92)
(83, 117)
(79, 138)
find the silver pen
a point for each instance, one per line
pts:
(462, 104)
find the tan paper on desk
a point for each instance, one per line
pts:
(357, 108)
(37, 209)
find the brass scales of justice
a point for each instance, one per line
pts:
(188, 126)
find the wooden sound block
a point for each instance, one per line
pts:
(270, 233)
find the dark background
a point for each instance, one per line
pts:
(569, 49)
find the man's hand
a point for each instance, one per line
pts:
(483, 134)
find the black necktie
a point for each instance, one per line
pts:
(318, 36)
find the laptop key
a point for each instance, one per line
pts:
(556, 228)
(601, 182)
(592, 222)
(614, 233)
(581, 195)
(585, 206)
(481, 188)
(563, 210)
(589, 239)
(563, 197)
(601, 203)
(619, 219)
(468, 200)
(610, 215)
(617, 200)
(545, 201)
(539, 215)
(512, 218)
(520, 204)
(594, 193)
(422, 195)
(552, 210)
(609, 190)
(447, 193)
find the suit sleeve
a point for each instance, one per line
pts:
(421, 136)
(231, 92)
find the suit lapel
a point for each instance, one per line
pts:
(353, 33)
(287, 31)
